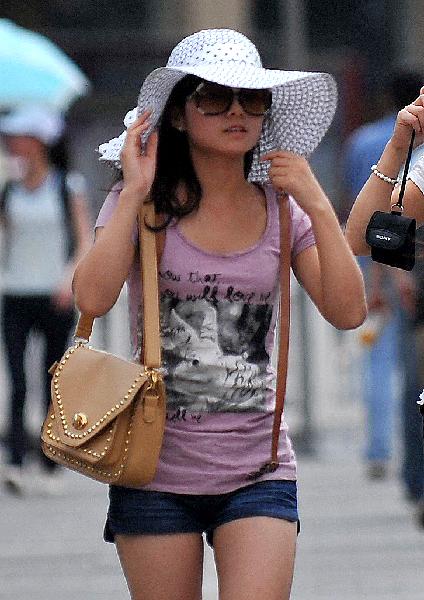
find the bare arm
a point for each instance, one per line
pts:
(101, 273)
(80, 221)
(330, 275)
(328, 271)
(377, 194)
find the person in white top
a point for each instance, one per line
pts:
(46, 230)
(380, 192)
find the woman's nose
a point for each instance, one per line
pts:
(235, 108)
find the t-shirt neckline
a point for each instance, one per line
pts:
(236, 253)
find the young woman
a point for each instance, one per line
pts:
(222, 121)
(46, 230)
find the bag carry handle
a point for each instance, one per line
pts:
(151, 352)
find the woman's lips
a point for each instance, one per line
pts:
(235, 129)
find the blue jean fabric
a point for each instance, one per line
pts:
(413, 454)
(379, 391)
(137, 512)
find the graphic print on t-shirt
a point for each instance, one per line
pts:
(214, 354)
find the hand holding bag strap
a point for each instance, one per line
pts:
(150, 290)
(283, 334)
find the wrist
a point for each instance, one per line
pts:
(310, 193)
(131, 198)
(134, 190)
(320, 208)
(396, 150)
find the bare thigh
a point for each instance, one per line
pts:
(255, 558)
(162, 567)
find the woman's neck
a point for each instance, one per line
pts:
(222, 179)
(36, 174)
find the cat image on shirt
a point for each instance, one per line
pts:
(214, 354)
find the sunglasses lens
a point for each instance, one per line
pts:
(213, 99)
(255, 102)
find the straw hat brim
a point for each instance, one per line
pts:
(303, 106)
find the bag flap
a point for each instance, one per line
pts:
(89, 389)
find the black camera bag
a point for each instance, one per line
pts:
(392, 239)
(391, 236)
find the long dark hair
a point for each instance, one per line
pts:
(174, 164)
(58, 154)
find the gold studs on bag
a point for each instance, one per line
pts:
(77, 423)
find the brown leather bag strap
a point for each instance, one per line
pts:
(84, 327)
(151, 351)
(283, 335)
(151, 355)
(284, 319)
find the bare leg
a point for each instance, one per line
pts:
(255, 558)
(162, 567)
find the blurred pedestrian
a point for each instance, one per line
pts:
(381, 332)
(379, 192)
(46, 230)
(221, 117)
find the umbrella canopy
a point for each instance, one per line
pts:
(34, 69)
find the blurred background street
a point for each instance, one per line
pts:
(360, 539)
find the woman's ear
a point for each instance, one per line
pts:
(177, 120)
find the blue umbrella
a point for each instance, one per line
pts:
(34, 69)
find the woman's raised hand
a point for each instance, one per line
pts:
(291, 173)
(409, 118)
(138, 164)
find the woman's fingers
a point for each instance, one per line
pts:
(276, 154)
(413, 116)
(151, 145)
(140, 120)
(420, 100)
(135, 131)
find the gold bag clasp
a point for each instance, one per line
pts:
(80, 420)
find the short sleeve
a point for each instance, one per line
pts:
(109, 205)
(302, 233)
(417, 174)
(108, 208)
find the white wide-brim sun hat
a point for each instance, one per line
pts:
(303, 103)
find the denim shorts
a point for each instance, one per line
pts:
(138, 512)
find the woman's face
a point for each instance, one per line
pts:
(23, 146)
(232, 133)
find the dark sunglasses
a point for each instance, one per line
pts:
(214, 99)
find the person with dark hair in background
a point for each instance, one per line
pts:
(381, 190)
(388, 294)
(206, 145)
(46, 229)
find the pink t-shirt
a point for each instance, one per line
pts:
(218, 316)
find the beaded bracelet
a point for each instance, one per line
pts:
(383, 177)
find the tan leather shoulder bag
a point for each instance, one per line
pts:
(107, 415)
